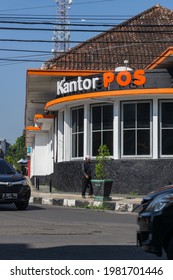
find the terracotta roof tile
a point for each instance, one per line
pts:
(139, 40)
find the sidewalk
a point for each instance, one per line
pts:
(121, 203)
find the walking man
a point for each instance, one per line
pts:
(86, 182)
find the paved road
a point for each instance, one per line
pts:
(47, 232)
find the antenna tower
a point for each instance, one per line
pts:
(62, 34)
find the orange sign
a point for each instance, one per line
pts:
(124, 78)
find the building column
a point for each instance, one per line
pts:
(87, 136)
(155, 128)
(55, 139)
(116, 129)
(60, 142)
(67, 136)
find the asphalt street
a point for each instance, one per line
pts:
(52, 232)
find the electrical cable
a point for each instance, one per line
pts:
(101, 46)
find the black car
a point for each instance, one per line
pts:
(155, 221)
(14, 186)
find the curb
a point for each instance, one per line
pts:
(107, 205)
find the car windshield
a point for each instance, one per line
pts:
(6, 168)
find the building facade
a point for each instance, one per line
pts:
(70, 113)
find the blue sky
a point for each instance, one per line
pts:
(13, 73)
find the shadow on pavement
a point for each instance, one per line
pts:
(12, 207)
(107, 252)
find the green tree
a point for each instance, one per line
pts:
(17, 151)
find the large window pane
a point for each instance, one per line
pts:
(135, 137)
(102, 127)
(108, 140)
(80, 119)
(129, 142)
(167, 142)
(80, 144)
(74, 145)
(77, 132)
(143, 115)
(96, 118)
(167, 114)
(166, 128)
(74, 121)
(108, 117)
(143, 142)
(96, 142)
(129, 115)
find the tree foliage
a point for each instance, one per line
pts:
(17, 151)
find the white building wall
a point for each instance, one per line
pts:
(60, 133)
(50, 152)
(41, 154)
(32, 161)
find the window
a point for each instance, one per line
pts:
(166, 128)
(102, 127)
(136, 128)
(77, 132)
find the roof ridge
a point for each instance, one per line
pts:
(144, 13)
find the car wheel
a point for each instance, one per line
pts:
(169, 250)
(22, 205)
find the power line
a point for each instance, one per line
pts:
(86, 42)
(87, 30)
(93, 2)
(79, 53)
(27, 51)
(84, 24)
(85, 61)
(21, 60)
(29, 8)
(36, 21)
(101, 45)
(50, 6)
(80, 62)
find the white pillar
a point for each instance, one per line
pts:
(67, 136)
(155, 128)
(55, 138)
(60, 142)
(87, 136)
(116, 132)
(50, 162)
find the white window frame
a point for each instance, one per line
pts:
(151, 129)
(77, 133)
(101, 130)
(160, 128)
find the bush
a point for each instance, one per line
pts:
(101, 159)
